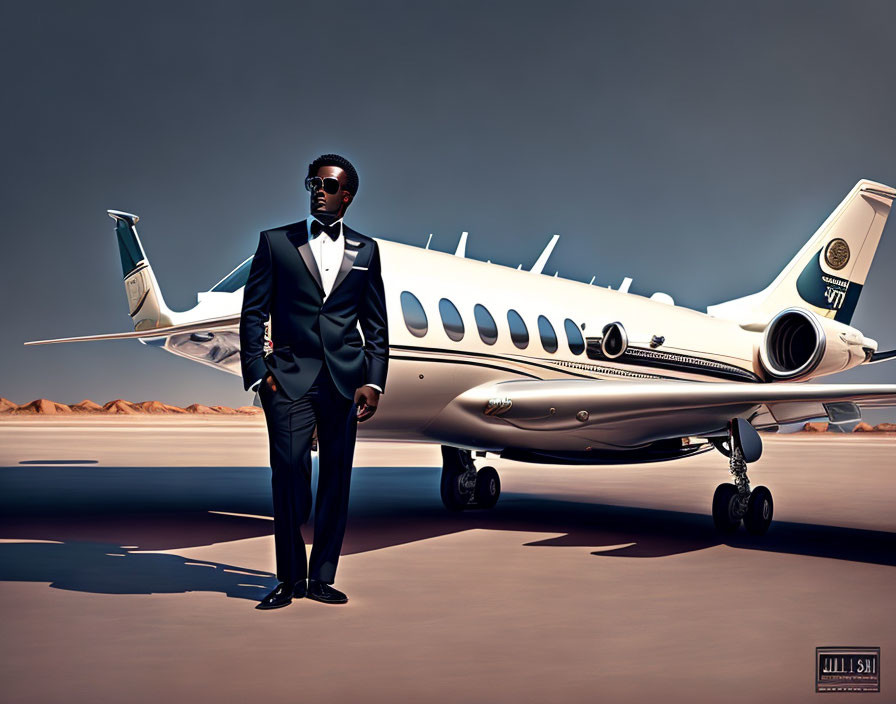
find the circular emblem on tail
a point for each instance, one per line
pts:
(837, 253)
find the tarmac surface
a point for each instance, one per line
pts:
(132, 553)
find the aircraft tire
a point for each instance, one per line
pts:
(722, 501)
(488, 487)
(759, 511)
(452, 496)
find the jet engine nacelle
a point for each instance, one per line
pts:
(799, 344)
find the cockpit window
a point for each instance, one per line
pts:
(519, 333)
(574, 337)
(451, 320)
(548, 336)
(488, 330)
(235, 280)
(414, 315)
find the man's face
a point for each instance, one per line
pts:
(332, 203)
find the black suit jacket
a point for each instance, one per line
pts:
(306, 331)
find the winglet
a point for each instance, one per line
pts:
(146, 305)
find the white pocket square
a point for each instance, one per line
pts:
(362, 268)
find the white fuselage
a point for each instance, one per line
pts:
(428, 371)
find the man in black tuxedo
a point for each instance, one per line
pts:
(317, 279)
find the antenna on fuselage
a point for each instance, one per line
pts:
(538, 266)
(428, 241)
(625, 285)
(461, 250)
(592, 279)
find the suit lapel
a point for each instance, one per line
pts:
(348, 260)
(298, 235)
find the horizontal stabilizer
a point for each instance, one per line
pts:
(877, 357)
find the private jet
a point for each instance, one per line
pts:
(488, 360)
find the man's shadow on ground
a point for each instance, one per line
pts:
(93, 512)
(104, 568)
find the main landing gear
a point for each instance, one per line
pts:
(733, 503)
(462, 486)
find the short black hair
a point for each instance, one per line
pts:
(340, 161)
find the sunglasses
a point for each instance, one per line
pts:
(329, 184)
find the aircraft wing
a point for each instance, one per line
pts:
(213, 342)
(199, 326)
(678, 407)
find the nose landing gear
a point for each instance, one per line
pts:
(733, 503)
(462, 486)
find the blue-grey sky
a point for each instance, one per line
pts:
(694, 146)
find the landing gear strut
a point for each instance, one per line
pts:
(733, 503)
(462, 486)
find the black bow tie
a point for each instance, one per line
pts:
(317, 227)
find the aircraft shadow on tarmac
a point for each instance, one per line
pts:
(93, 512)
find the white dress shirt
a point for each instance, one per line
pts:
(328, 255)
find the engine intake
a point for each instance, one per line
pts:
(798, 343)
(793, 344)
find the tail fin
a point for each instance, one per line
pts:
(145, 303)
(827, 274)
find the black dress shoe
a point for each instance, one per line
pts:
(320, 591)
(281, 596)
(299, 590)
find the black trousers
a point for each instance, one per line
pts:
(290, 426)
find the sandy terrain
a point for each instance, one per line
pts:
(132, 560)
